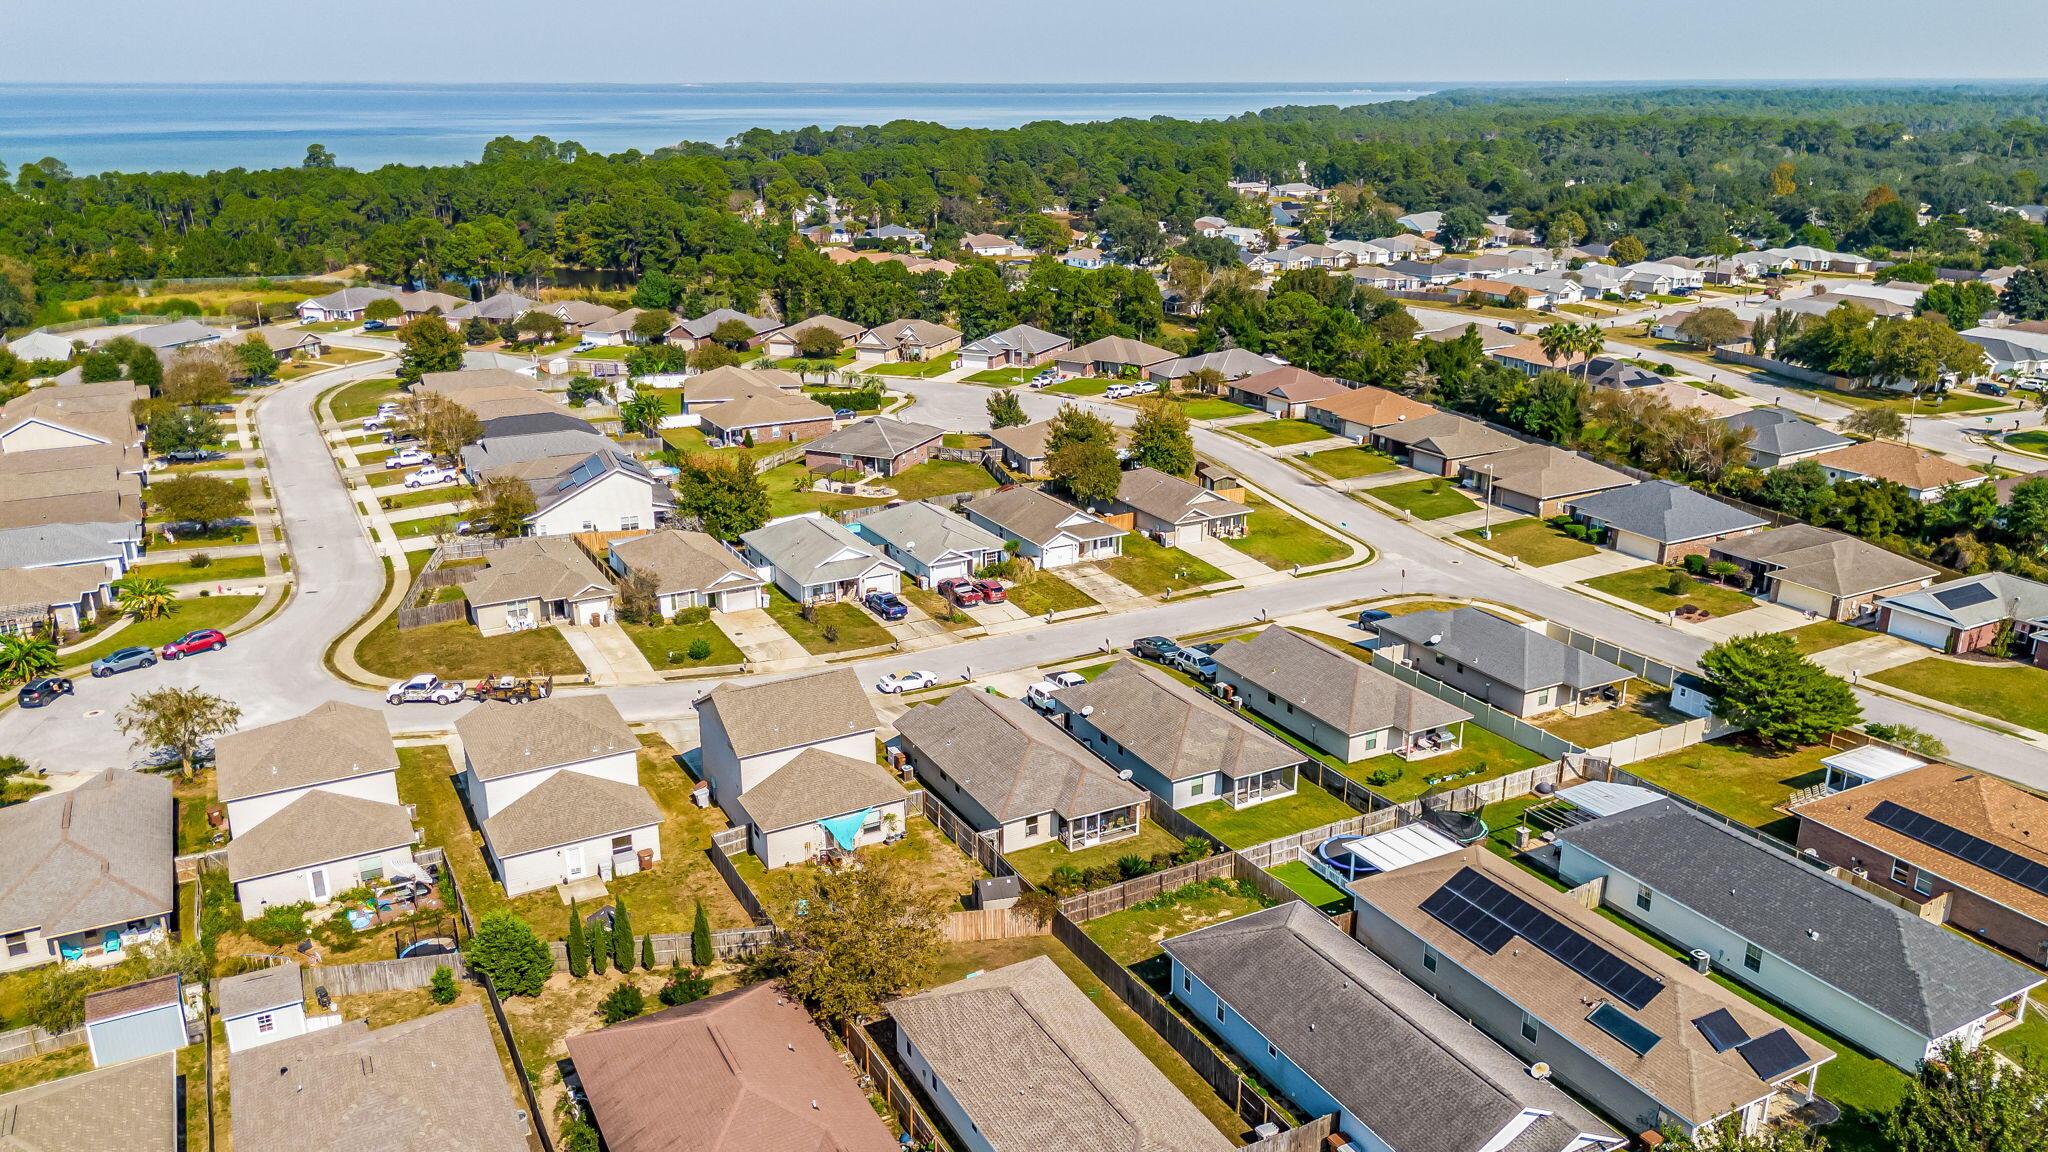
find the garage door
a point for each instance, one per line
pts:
(1804, 599)
(1918, 629)
(949, 570)
(1060, 555)
(1630, 544)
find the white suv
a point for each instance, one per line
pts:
(430, 476)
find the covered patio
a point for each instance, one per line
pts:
(1101, 827)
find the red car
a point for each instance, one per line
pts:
(991, 591)
(960, 591)
(204, 640)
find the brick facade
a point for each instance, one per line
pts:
(1968, 912)
(911, 459)
(799, 430)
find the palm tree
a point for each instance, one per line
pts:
(145, 598)
(644, 411)
(1589, 342)
(25, 658)
(1558, 340)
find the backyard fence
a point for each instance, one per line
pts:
(778, 458)
(1663, 741)
(1341, 786)
(1727, 355)
(1647, 668)
(870, 1054)
(989, 924)
(22, 1043)
(187, 868)
(1307, 1138)
(673, 948)
(380, 975)
(963, 835)
(1086, 906)
(738, 884)
(413, 614)
(964, 455)
(1161, 812)
(1274, 853)
(1594, 770)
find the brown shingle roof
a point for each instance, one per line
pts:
(1172, 499)
(110, 1002)
(335, 741)
(1450, 436)
(1340, 691)
(1028, 440)
(1372, 406)
(1116, 350)
(568, 807)
(682, 561)
(317, 828)
(1172, 727)
(766, 408)
(1295, 385)
(764, 717)
(502, 739)
(41, 588)
(1546, 472)
(250, 992)
(817, 784)
(535, 568)
(1830, 561)
(1899, 463)
(1029, 514)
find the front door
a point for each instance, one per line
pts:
(572, 862)
(318, 878)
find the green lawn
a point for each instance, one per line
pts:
(421, 497)
(2033, 441)
(853, 627)
(939, 478)
(1649, 587)
(361, 399)
(191, 615)
(1045, 592)
(1133, 935)
(457, 651)
(1739, 779)
(211, 538)
(1003, 377)
(1347, 463)
(1083, 386)
(1212, 408)
(1152, 568)
(1481, 753)
(1646, 711)
(785, 498)
(1431, 499)
(1823, 635)
(1531, 541)
(1501, 818)
(1327, 897)
(1309, 807)
(965, 440)
(1279, 433)
(1035, 864)
(1279, 540)
(2016, 693)
(603, 352)
(231, 568)
(938, 366)
(668, 645)
(2027, 1043)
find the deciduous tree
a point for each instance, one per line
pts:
(1711, 326)
(1160, 438)
(501, 505)
(431, 347)
(203, 500)
(1880, 422)
(178, 720)
(182, 430)
(1968, 1100)
(444, 426)
(723, 493)
(1004, 410)
(870, 935)
(817, 342)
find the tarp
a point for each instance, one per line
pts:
(845, 829)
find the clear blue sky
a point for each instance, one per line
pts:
(642, 41)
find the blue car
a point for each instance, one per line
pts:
(887, 605)
(124, 660)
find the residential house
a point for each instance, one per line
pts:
(1231, 363)
(821, 803)
(104, 550)
(88, 872)
(1868, 971)
(499, 308)
(1116, 356)
(135, 1021)
(1923, 475)
(1356, 413)
(1246, 238)
(321, 844)
(1018, 1059)
(1616, 1021)
(1084, 258)
(1808, 258)
(429, 1083)
(136, 1106)
(565, 442)
(781, 344)
(763, 417)
(1662, 521)
(61, 599)
(930, 543)
(265, 1006)
(455, 385)
(345, 304)
(1016, 776)
(1210, 225)
(555, 786)
(536, 580)
(615, 329)
(1386, 279)
(905, 341)
(1539, 479)
(741, 1071)
(604, 491)
(878, 445)
(1424, 222)
(1555, 287)
(1615, 373)
(1023, 447)
(1495, 341)
(1529, 358)
(834, 232)
(729, 382)
(1500, 292)
(1440, 444)
(1778, 438)
(1334, 701)
(292, 344)
(1176, 741)
(1958, 845)
(71, 416)
(1652, 278)
(1049, 532)
(1682, 397)
(988, 244)
(1820, 570)
(1297, 1000)
(698, 332)
(1284, 391)
(1968, 615)
(1430, 275)
(1518, 670)
(750, 730)
(2011, 349)
(413, 305)
(812, 557)
(910, 236)
(1018, 346)
(575, 315)
(1173, 511)
(1297, 190)
(689, 570)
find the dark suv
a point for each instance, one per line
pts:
(42, 690)
(1155, 648)
(887, 605)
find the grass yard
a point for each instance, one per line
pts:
(1133, 935)
(1531, 541)
(1082, 386)
(1212, 408)
(1153, 568)
(1044, 592)
(45, 1068)
(1278, 539)
(1650, 588)
(231, 568)
(2033, 441)
(964, 440)
(1327, 897)
(1823, 635)
(924, 857)
(220, 537)
(2015, 693)
(422, 497)
(199, 612)
(2027, 1043)
(361, 399)
(940, 478)
(1739, 779)
(1481, 756)
(457, 651)
(1643, 713)
(1309, 807)
(1003, 377)
(924, 369)
(1502, 817)
(852, 626)
(933, 605)
(193, 797)
(1431, 499)
(785, 498)
(1349, 463)
(668, 645)
(1280, 433)
(1037, 863)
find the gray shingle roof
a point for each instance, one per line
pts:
(1519, 657)
(502, 739)
(708, 323)
(499, 451)
(266, 988)
(1172, 727)
(1172, 499)
(811, 549)
(568, 807)
(815, 785)
(684, 561)
(317, 828)
(1978, 600)
(927, 532)
(1821, 558)
(877, 437)
(1343, 692)
(1029, 514)
(132, 1106)
(1024, 338)
(1546, 472)
(41, 544)
(536, 568)
(1449, 436)
(1914, 972)
(1777, 432)
(335, 741)
(99, 854)
(1013, 761)
(765, 716)
(1665, 511)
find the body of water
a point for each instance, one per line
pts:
(200, 127)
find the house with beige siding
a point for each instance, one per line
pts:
(534, 581)
(87, 873)
(1334, 701)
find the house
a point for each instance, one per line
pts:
(698, 332)
(501, 308)
(575, 315)
(615, 329)
(821, 802)
(413, 305)
(1018, 346)
(1296, 191)
(1870, 972)
(1778, 438)
(71, 416)
(1176, 741)
(1173, 511)
(879, 445)
(1539, 479)
(1958, 845)
(1024, 451)
(265, 1006)
(1428, 275)
(729, 382)
(1015, 776)
(100, 549)
(1618, 374)
(813, 557)
(1297, 1000)
(1407, 247)
(2010, 349)
(1049, 532)
(1424, 222)
(486, 458)
(455, 385)
(1682, 397)
(689, 570)
(1518, 670)
(1529, 358)
(741, 1071)
(1820, 570)
(1112, 356)
(765, 416)
(1661, 520)
(137, 1105)
(1651, 278)
(1284, 391)
(58, 598)
(135, 1021)
(1808, 258)
(1356, 413)
(1923, 475)
(1500, 292)
(988, 244)
(1967, 615)
(910, 236)
(429, 1083)
(290, 344)
(346, 304)
(536, 580)
(1209, 225)
(1334, 701)
(1386, 279)
(555, 786)
(1618, 1022)
(781, 344)
(1084, 258)
(88, 872)
(320, 844)
(750, 730)
(1360, 252)
(1440, 444)
(1018, 1059)
(605, 491)
(930, 543)
(905, 340)
(1500, 344)
(1230, 363)
(1554, 287)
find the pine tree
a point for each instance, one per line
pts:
(600, 949)
(647, 952)
(579, 949)
(622, 936)
(701, 951)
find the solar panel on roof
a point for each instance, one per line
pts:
(1772, 1054)
(2030, 874)
(1615, 1023)
(1721, 1030)
(1963, 597)
(1489, 916)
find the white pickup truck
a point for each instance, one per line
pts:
(1040, 695)
(425, 688)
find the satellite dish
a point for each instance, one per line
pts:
(1540, 1070)
(1124, 774)
(1435, 640)
(1088, 710)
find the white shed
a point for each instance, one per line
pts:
(135, 1020)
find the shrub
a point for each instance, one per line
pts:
(685, 986)
(1696, 564)
(600, 949)
(701, 614)
(1908, 737)
(506, 950)
(200, 560)
(624, 1003)
(1101, 876)
(1195, 848)
(622, 936)
(1161, 861)
(1066, 880)
(1722, 569)
(831, 634)
(699, 649)
(576, 1136)
(1666, 369)
(443, 987)
(702, 952)
(1132, 867)
(280, 924)
(1379, 777)
(1676, 581)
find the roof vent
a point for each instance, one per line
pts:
(1813, 933)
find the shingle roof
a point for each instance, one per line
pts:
(1451, 437)
(878, 437)
(425, 1085)
(566, 808)
(1545, 471)
(1435, 1083)
(464, 380)
(174, 333)
(1776, 432)
(926, 532)
(503, 306)
(536, 568)
(99, 854)
(1029, 514)
(1023, 338)
(910, 331)
(1900, 463)
(766, 716)
(812, 549)
(1029, 440)
(1343, 692)
(1522, 658)
(41, 588)
(817, 784)
(1116, 350)
(266, 988)
(1665, 511)
(1372, 406)
(1977, 600)
(1824, 559)
(1173, 728)
(319, 827)
(132, 1106)
(502, 739)
(761, 408)
(1910, 970)
(70, 543)
(110, 1002)
(1286, 382)
(844, 329)
(335, 741)
(351, 299)
(684, 561)
(500, 451)
(1013, 761)
(730, 382)
(1036, 1065)
(1173, 499)
(703, 326)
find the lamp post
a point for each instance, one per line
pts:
(1486, 503)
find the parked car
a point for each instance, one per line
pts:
(399, 436)
(1116, 391)
(896, 682)
(471, 527)
(1367, 617)
(124, 660)
(1048, 377)
(961, 591)
(1991, 388)
(1194, 662)
(190, 456)
(1040, 695)
(844, 414)
(887, 605)
(425, 688)
(42, 690)
(991, 591)
(1155, 648)
(203, 640)
(407, 458)
(372, 423)
(431, 475)
(1142, 387)
(373, 325)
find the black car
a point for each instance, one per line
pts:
(42, 690)
(1991, 388)
(887, 605)
(1155, 647)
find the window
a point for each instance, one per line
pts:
(373, 874)
(1031, 825)
(622, 843)
(873, 823)
(1902, 873)
(1273, 1051)
(628, 523)
(1529, 1031)
(1429, 958)
(1372, 742)
(17, 943)
(1439, 661)
(1198, 787)
(1752, 958)
(1219, 1010)
(1543, 697)
(590, 525)
(1642, 898)
(265, 1023)
(1187, 982)
(1923, 882)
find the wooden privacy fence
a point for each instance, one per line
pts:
(733, 880)
(871, 1056)
(22, 1043)
(727, 943)
(963, 835)
(989, 924)
(381, 975)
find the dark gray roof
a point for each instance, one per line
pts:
(1177, 730)
(1913, 972)
(1014, 762)
(1777, 432)
(533, 423)
(1519, 657)
(877, 438)
(499, 451)
(1665, 511)
(1393, 1056)
(1344, 692)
